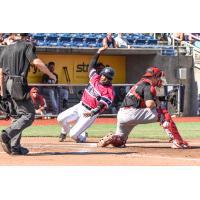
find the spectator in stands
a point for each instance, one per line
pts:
(119, 97)
(52, 93)
(1, 38)
(109, 41)
(180, 36)
(121, 41)
(38, 101)
(10, 39)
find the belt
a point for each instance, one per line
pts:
(88, 107)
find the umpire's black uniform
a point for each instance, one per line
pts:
(15, 61)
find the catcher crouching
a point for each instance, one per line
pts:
(141, 106)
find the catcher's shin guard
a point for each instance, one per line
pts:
(170, 128)
(115, 140)
(177, 144)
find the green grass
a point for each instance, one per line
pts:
(153, 131)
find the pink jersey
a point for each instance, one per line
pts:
(96, 92)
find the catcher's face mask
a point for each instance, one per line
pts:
(161, 80)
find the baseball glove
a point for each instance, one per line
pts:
(105, 141)
(115, 140)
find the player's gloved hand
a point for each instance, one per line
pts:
(88, 114)
(165, 124)
(91, 113)
(53, 77)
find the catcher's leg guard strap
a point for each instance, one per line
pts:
(172, 130)
(168, 124)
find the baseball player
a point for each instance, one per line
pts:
(141, 107)
(96, 98)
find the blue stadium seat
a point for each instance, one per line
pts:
(65, 41)
(148, 37)
(41, 43)
(51, 35)
(103, 35)
(140, 42)
(76, 35)
(40, 39)
(78, 42)
(91, 41)
(152, 42)
(130, 41)
(38, 34)
(99, 36)
(52, 40)
(99, 42)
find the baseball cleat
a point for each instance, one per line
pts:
(82, 138)
(105, 141)
(179, 144)
(62, 137)
(20, 151)
(5, 143)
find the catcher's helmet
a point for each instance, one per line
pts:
(108, 72)
(153, 72)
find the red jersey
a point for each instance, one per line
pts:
(95, 92)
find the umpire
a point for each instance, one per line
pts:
(15, 61)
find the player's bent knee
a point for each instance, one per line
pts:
(60, 118)
(73, 135)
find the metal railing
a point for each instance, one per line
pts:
(185, 43)
(77, 87)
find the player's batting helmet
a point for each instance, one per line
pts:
(108, 72)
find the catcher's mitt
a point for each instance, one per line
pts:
(106, 140)
(115, 140)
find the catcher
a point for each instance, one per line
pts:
(140, 106)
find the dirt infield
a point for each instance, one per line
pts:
(139, 152)
(47, 151)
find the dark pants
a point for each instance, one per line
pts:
(25, 115)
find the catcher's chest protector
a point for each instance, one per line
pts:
(138, 96)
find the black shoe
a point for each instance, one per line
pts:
(65, 103)
(62, 137)
(5, 142)
(20, 151)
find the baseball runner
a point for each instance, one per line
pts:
(97, 97)
(141, 107)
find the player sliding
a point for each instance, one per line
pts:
(97, 97)
(140, 106)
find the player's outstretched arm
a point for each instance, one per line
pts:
(42, 67)
(95, 58)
